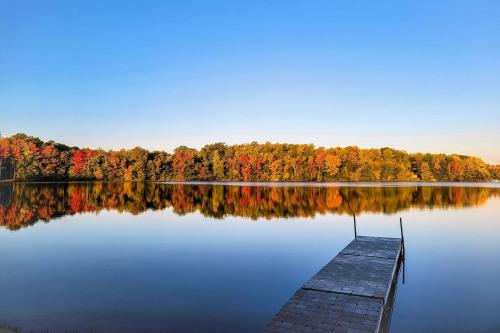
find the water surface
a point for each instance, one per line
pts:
(144, 257)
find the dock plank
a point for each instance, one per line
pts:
(357, 275)
(312, 310)
(380, 247)
(348, 294)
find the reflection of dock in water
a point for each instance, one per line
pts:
(353, 293)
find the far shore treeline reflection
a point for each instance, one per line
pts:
(23, 204)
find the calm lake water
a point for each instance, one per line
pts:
(143, 257)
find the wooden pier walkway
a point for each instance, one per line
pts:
(350, 294)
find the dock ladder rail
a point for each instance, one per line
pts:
(400, 228)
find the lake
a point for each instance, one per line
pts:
(145, 257)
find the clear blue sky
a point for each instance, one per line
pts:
(420, 76)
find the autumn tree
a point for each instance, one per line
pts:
(35, 159)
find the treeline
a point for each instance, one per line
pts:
(24, 204)
(38, 160)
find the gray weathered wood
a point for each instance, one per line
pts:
(348, 294)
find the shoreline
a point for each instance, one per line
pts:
(494, 184)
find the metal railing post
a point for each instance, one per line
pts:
(402, 236)
(355, 231)
(401, 227)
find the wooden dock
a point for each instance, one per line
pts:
(352, 293)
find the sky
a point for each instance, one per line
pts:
(421, 76)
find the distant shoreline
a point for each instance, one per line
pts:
(272, 184)
(24, 157)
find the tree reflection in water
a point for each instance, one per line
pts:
(23, 204)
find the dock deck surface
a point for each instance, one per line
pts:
(348, 294)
